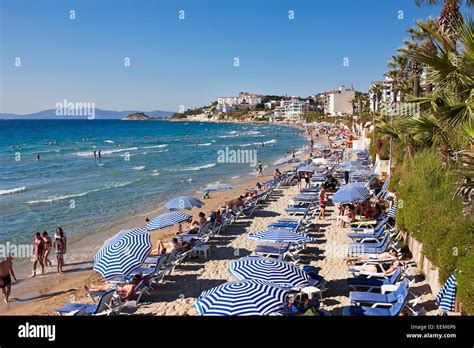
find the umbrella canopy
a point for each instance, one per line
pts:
(264, 268)
(286, 160)
(362, 173)
(184, 202)
(310, 169)
(279, 235)
(167, 219)
(244, 297)
(350, 166)
(320, 161)
(122, 253)
(447, 295)
(217, 187)
(350, 193)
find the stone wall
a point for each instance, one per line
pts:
(424, 265)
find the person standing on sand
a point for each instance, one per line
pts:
(259, 168)
(60, 243)
(38, 254)
(6, 275)
(48, 244)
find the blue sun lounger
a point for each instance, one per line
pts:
(370, 248)
(373, 237)
(103, 305)
(393, 311)
(371, 284)
(376, 299)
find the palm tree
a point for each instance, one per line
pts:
(376, 90)
(451, 70)
(450, 15)
(397, 74)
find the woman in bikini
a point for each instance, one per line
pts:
(48, 244)
(38, 253)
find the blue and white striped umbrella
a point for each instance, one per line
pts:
(350, 193)
(167, 219)
(447, 295)
(279, 235)
(122, 253)
(272, 270)
(286, 160)
(392, 210)
(362, 173)
(310, 169)
(244, 297)
(217, 187)
(184, 202)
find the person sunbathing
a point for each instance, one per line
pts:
(277, 174)
(168, 247)
(390, 255)
(377, 268)
(125, 291)
(237, 202)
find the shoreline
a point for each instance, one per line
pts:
(29, 295)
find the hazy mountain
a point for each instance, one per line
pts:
(99, 114)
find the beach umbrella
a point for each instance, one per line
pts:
(393, 209)
(362, 173)
(167, 219)
(217, 187)
(447, 295)
(184, 202)
(279, 235)
(272, 270)
(243, 297)
(286, 160)
(350, 193)
(122, 253)
(321, 161)
(310, 169)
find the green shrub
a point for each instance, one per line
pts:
(430, 212)
(465, 279)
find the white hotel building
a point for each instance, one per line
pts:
(242, 101)
(291, 110)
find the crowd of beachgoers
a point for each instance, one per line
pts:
(317, 238)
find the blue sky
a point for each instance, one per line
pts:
(190, 62)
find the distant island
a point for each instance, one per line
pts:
(138, 116)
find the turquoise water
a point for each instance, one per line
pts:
(143, 164)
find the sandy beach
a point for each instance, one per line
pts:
(44, 293)
(178, 292)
